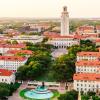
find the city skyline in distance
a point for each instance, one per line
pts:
(49, 8)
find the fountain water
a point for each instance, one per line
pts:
(41, 92)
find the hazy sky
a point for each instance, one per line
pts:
(49, 8)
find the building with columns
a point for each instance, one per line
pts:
(65, 22)
(64, 39)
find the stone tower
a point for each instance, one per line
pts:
(65, 22)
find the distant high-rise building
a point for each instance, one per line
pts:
(65, 22)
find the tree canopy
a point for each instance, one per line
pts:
(71, 95)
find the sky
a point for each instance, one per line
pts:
(49, 8)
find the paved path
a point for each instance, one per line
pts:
(15, 95)
(58, 52)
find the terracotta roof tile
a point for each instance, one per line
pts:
(87, 77)
(12, 58)
(4, 72)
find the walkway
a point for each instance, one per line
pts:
(61, 90)
(58, 52)
(15, 95)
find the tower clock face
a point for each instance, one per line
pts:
(65, 8)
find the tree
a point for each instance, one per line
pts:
(91, 93)
(72, 95)
(85, 97)
(8, 42)
(14, 42)
(63, 68)
(45, 40)
(7, 89)
(38, 63)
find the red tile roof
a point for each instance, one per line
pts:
(84, 63)
(68, 36)
(86, 77)
(97, 54)
(56, 35)
(98, 27)
(98, 40)
(4, 72)
(28, 52)
(82, 28)
(12, 45)
(12, 58)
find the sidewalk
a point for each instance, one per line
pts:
(16, 95)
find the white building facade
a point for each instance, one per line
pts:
(87, 82)
(5, 47)
(7, 76)
(28, 38)
(87, 77)
(12, 62)
(63, 42)
(86, 66)
(64, 39)
(88, 56)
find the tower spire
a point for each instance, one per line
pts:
(65, 22)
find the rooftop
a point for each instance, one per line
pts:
(12, 58)
(12, 45)
(87, 77)
(98, 27)
(4, 72)
(86, 27)
(83, 53)
(87, 63)
(28, 52)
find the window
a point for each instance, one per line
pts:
(2, 80)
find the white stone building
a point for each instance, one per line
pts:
(63, 41)
(5, 47)
(88, 56)
(86, 66)
(86, 82)
(28, 38)
(7, 76)
(12, 62)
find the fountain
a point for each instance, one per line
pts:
(41, 92)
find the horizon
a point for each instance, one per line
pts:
(49, 8)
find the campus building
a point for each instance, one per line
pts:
(12, 62)
(87, 82)
(7, 76)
